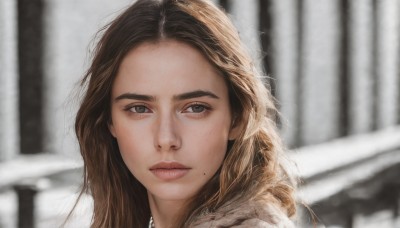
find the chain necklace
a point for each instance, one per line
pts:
(151, 222)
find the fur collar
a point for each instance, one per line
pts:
(249, 214)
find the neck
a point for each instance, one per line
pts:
(165, 212)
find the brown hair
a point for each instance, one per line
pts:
(252, 168)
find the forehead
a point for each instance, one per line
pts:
(170, 52)
(168, 64)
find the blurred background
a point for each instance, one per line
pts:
(333, 65)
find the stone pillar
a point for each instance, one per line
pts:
(70, 31)
(361, 66)
(9, 145)
(245, 17)
(320, 74)
(388, 54)
(285, 53)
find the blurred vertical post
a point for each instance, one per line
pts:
(320, 72)
(245, 17)
(387, 75)
(375, 63)
(30, 52)
(362, 67)
(344, 73)
(8, 80)
(299, 75)
(285, 30)
(265, 24)
(26, 206)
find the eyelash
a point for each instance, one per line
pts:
(130, 108)
(206, 108)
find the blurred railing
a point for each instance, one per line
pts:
(342, 179)
(28, 175)
(357, 175)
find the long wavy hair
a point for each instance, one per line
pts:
(252, 168)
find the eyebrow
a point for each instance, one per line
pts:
(135, 96)
(195, 94)
(183, 96)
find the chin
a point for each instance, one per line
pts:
(172, 193)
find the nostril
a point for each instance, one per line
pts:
(169, 145)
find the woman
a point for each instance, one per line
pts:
(176, 128)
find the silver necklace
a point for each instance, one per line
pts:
(151, 222)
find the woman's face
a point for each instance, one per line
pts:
(171, 117)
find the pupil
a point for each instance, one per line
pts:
(198, 108)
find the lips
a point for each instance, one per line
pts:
(169, 171)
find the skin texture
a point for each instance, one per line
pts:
(156, 118)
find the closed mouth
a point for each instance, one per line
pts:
(169, 171)
(168, 166)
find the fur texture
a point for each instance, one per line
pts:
(250, 214)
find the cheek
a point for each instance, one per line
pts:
(211, 144)
(132, 144)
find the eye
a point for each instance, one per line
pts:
(196, 108)
(138, 109)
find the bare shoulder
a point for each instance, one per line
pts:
(249, 214)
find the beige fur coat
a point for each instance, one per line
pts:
(250, 214)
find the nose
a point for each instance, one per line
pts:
(167, 136)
